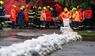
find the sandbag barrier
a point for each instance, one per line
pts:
(41, 46)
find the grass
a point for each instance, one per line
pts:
(88, 36)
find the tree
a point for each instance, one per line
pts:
(34, 0)
(75, 3)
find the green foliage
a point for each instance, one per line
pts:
(61, 1)
(84, 6)
(72, 3)
(87, 0)
(75, 3)
(34, 0)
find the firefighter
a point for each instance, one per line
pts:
(43, 18)
(87, 18)
(64, 17)
(34, 8)
(79, 9)
(76, 18)
(48, 7)
(54, 16)
(51, 10)
(35, 20)
(20, 18)
(58, 8)
(26, 19)
(32, 15)
(48, 18)
(38, 14)
(2, 13)
(13, 16)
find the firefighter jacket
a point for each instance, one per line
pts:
(13, 15)
(88, 14)
(43, 16)
(48, 15)
(76, 16)
(26, 15)
(80, 14)
(64, 15)
(59, 8)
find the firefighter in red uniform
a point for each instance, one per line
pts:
(26, 16)
(13, 15)
(87, 18)
(58, 8)
(48, 18)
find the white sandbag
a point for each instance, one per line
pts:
(42, 45)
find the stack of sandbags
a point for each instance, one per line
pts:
(41, 46)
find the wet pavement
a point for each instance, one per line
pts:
(9, 36)
(10, 40)
(83, 48)
(26, 33)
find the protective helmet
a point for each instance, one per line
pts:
(22, 7)
(44, 8)
(1, 2)
(78, 6)
(74, 9)
(48, 6)
(14, 6)
(51, 9)
(65, 9)
(39, 7)
(34, 7)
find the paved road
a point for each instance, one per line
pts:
(9, 36)
(10, 40)
(77, 49)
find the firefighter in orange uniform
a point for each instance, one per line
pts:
(46, 16)
(76, 18)
(79, 9)
(13, 15)
(65, 16)
(43, 18)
